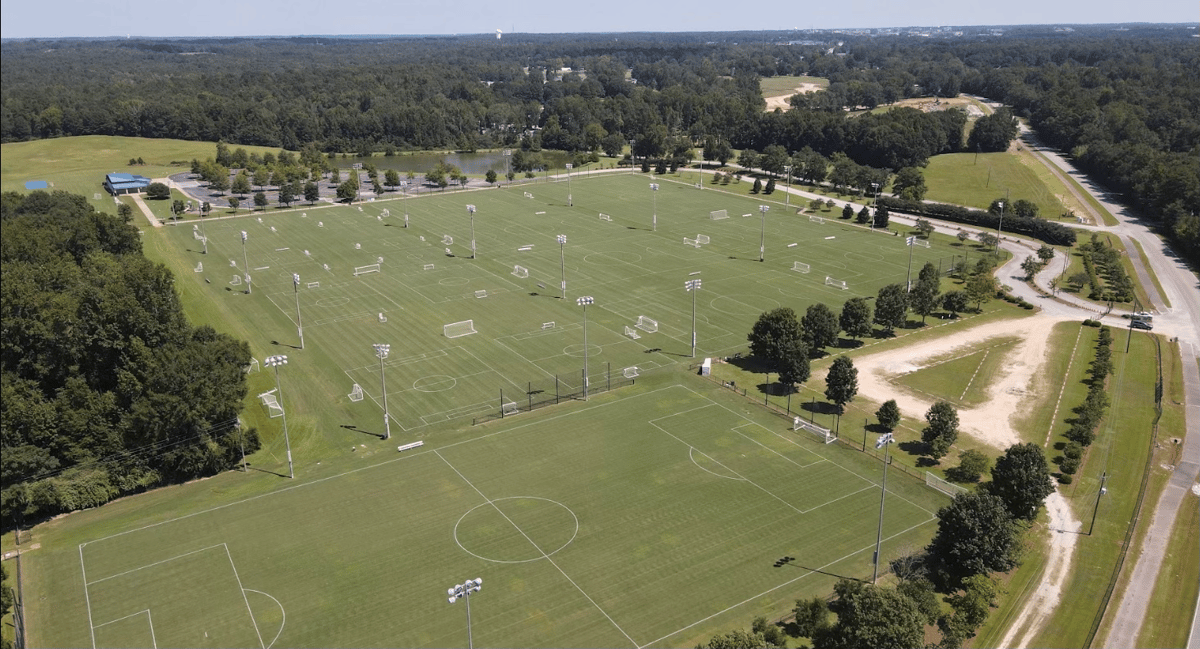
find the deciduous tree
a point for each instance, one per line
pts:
(872, 616)
(820, 328)
(942, 430)
(888, 414)
(891, 307)
(924, 295)
(841, 383)
(976, 535)
(855, 318)
(1021, 478)
(775, 331)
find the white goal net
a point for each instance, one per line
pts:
(520, 271)
(829, 281)
(363, 270)
(646, 324)
(459, 329)
(801, 267)
(356, 393)
(702, 239)
(691, 242)
(717, 215)
(272, 404)
(826, 435)
(447, 240)
(510, 408)
(941, 485)
(632, 333)
(816, 219)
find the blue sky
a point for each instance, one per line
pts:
(25, 19)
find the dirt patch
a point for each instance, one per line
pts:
(1064, 530)
(781, 101)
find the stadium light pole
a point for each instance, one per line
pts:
(999, 224)
(245, 262)
(507, 167)
(632, 157)
(693, 287)
(562, 264)
(787, 195)
(570, 202)
(654, 218)
(405, 201)
(584, 302)
(762, 235)
(471, 212)
(874, 203)
(884, 441)
(275, 362)
(463, 591)
(299, 322)
(381, 351)
(910, 242)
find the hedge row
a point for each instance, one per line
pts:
(1053, 233)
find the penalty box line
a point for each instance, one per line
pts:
(536, 547)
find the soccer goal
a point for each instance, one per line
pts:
(459, 329)
(520, 271)
(717, 215)
(703, 239)
(481, 293)
(236, 281)
(941, 485)
(252, 367)
(199, 267)
(385, 213)
(800, 267)
(825, 434)
(447, 240)
(829, 281)
(510, 408)
(358, 246)
(428, 267)
(313, 285)
(630, 372)
(356, 393)
(605, 217)
(816, 219)
(924, 243)
(272, 404)
(646, 324)
(382, 318)
(691, 242)
(363, 270)
(632, 333)
(528, 195)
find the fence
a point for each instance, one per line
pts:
(549, 392)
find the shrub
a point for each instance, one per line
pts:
(1064, 478)
(1073, 450)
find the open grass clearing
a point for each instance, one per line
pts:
(777, 90)
(963, 377)
(975, 180)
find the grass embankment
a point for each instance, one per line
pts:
(975, 180)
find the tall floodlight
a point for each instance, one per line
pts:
(883, 442)
(998, 225)
(463, 591)
(562, 263)
(875, 203)
(654, 218)
(245, 262)
(299, 322)
(632, 157)
(762, 235)
(507, 166)
(693, 287)
(404, 184)
(910, 242)
(275, 362)
(584, 302)
(787, 196)
(570, 202)
(382, 352)
(471, 212)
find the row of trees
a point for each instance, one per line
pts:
(106, 388)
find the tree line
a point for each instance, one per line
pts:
(107, 390)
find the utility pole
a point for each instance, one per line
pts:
(884, 442)
(1103, 490)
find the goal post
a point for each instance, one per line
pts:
(717, 215)
(363, 270)
(837, 283)
(801, 267)
(941, 485)
(825, 435)
(646, 324)
(816, 219)
(356, 393)
(520, 272)
(702, 239)
(459, 329)
(632, 333)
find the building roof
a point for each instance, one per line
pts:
(125, 181)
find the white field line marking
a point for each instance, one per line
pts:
(153, 638)
(145, 610)
(786, 583)
(535, 546)
(1063, 389)
(282, 623)
(156, 563)
(802, 466)
(87, 598)
(973, 375)
(244, 598)
(692, 455)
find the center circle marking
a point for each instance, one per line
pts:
(453, 281)
(577, 350)
(563, 510)
(619, 255)
(434, 383)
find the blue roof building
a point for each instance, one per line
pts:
(119, 183)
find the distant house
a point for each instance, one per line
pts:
(120, 183)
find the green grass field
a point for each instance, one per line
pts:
(976, 181)
(649, 515)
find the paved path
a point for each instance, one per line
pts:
(137, 200)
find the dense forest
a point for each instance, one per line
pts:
(1124, 102)
(106, 389)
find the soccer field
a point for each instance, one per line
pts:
(617, 524)
(365, 278)
(651, 515)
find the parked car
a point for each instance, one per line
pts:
(1141, 324)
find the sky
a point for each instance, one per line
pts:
(199, 18)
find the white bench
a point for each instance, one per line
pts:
(409, 446)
